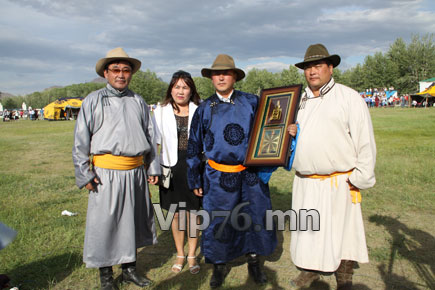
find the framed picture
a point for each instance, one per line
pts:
(269, 143)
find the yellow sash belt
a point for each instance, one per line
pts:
(110, 161)
(226, 168)
(355, 193)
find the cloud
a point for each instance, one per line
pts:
(272, 66)
(170, 35)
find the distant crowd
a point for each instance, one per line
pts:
(389, 97)
(31, 114)
(384, 97)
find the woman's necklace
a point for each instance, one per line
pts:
(184, 111)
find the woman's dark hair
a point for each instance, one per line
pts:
(187, 78)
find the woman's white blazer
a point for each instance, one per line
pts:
(167, 125)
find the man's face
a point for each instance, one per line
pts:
(118, 75)
(223, 81)
(317, 74)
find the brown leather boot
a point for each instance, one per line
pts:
(304, 279)
(343, 275)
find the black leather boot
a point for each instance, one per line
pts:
(254, 269)
(219, 273)
(4, 281)
(130, 275)
(106, 279)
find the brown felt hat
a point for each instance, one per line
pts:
(223, 62)
(316, 52)
(113, 55)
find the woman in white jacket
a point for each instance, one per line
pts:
(173, 119)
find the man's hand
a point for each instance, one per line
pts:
(92, 186)
(351, 186)
(354, 192)
(292, 129)
(198, 192)
(153, 180)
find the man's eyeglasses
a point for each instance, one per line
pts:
(117, 71)
(180, 74)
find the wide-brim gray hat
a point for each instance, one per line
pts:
(116, 54)
(316, 52)
(223, 62)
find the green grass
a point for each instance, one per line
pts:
(37, 183)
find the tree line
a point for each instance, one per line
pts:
(401, 67)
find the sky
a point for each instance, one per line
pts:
(46, 43)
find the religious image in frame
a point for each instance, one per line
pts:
(269, 141)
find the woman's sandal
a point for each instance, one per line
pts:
(176, 268)
(195, 268)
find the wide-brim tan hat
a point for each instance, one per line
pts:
(116, 54)
(316, 52)
(223, 62)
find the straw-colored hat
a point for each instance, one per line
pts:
(116, 54)
(316, 52)
(223, 62)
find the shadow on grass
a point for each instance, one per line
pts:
(152, 257)
(277, 253)
(187, 281)
(42, 274)
(358, 286)
(157, 256)
(280, 200)
(417, 246)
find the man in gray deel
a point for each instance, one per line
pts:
(114, 126)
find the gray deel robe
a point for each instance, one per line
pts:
(120, 213)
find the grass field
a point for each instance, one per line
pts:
(37, 184)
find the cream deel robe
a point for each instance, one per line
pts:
(120, 214)
(336, 136)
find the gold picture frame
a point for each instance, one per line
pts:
(269, 141)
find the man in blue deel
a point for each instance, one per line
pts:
(220, 134)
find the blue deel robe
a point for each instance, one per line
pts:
(221, 131)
